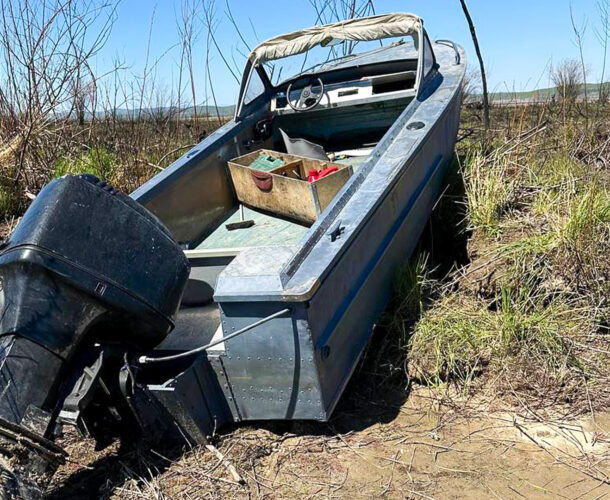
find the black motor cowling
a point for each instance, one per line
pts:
(85, 266)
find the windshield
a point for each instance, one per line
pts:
(338, 55)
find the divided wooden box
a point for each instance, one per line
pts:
(285, 190)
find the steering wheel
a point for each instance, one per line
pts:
(308, 98)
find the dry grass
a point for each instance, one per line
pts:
(491, 189)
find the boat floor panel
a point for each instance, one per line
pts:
(266, 231)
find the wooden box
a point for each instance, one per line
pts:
(285, 190)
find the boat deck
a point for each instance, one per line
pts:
(266, 231)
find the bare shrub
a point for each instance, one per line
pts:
(603, 35)
(567, 78)
(472, 85)
(45, 48)
(332, 11)
(475, 41)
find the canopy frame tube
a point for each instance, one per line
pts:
(377, 28)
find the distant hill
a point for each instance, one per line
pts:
(540, 94)
(123, 114)
(211, 110)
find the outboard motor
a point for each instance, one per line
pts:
(88, 279)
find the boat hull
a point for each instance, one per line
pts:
(335, 284)
(297, 367)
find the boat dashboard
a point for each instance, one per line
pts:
(365, 90)
(381, 82)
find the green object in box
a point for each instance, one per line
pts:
(265, 163)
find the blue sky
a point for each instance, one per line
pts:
(519, 38)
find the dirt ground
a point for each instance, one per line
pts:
(379, 444)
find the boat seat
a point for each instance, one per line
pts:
(303, 147)
(353, 157)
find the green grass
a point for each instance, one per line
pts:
(491, 191)
(97, 161)
(9, 201)
(458, 338)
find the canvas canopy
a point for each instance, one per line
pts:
(361, 29)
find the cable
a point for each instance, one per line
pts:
(145, 359)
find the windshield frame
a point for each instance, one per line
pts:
(418, 39)
(346, 58)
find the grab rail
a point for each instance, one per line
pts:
(451, 43)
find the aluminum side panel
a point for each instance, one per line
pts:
(269, 372)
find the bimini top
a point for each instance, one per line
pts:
(360, 29)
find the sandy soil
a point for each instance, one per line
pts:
(381, 445)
